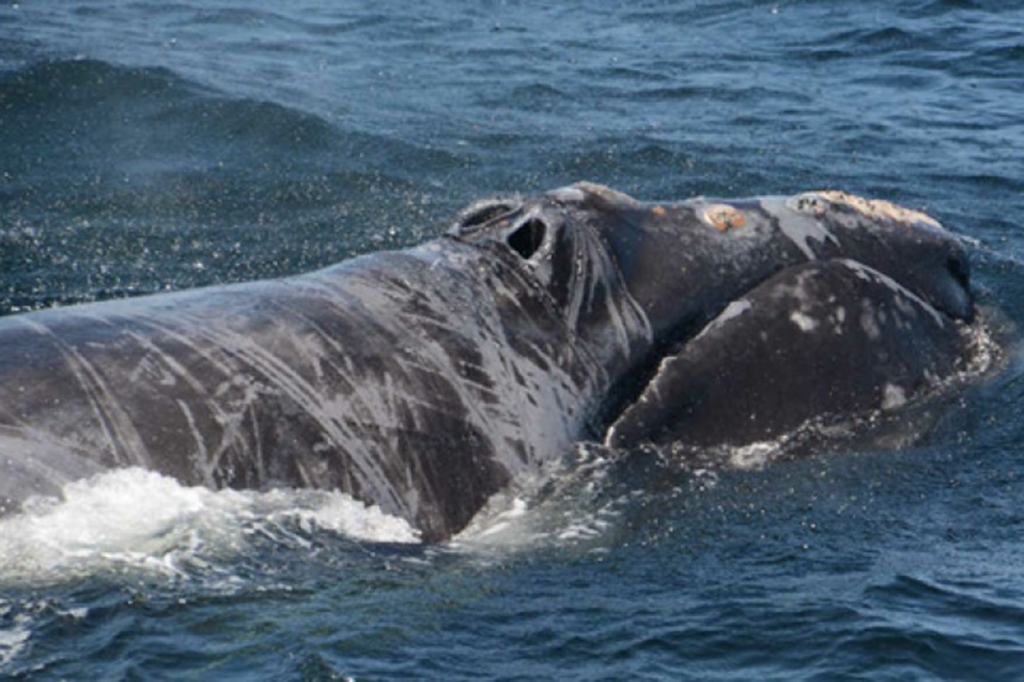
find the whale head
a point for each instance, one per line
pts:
(682, 262)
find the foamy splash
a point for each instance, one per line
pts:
(566, 507)
(14, 638)
(137, 519)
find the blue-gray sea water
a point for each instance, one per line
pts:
(150, 146)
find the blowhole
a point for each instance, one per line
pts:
(527, 239)
(479, 215)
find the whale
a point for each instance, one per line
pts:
(818, 344)
(426, 380)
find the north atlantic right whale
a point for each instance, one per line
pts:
(426, 380)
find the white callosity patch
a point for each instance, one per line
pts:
(800, 227)
(837, 317)
(731, 312)
(893, 396)
(805, 322)
(801, 292)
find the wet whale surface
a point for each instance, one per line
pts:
(426, 380)
(165, 147)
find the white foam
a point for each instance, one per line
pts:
(522, 526)
(753, 456)
(501, 521)
(140, 519)
(343, 514)
(14, 638)
(557, 508)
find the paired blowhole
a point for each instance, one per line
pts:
(525, 238)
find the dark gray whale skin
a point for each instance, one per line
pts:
(823, 340)
(426, 380)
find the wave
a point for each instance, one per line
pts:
(140, 522)
(129, 180)
(111, 119)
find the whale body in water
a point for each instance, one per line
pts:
(426, 380)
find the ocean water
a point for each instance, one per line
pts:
(147, 147)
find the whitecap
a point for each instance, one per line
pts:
(133, 519)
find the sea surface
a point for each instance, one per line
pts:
(155, 146)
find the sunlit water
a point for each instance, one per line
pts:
(148, 147)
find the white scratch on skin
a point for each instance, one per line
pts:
(610, 195)
(200, 442)
(293, 385)
(126, 445)
(168, 360)
(533, 387)
(230, 421)
(512, 412)
(903, 305)
(354, 395)
(283, 378)
(189, 342)
(257, 442)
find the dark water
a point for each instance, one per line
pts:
(154, 146)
